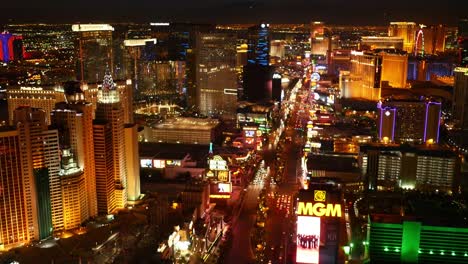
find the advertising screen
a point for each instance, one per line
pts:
(224, 187)
(308, 239)
(249, 133)
(146, 163)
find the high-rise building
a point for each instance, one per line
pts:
(387, 120)
(259, 45)
(11, 47)
(44, 97)
(365, 76)
(216, 73)
(388, 166)
(460, 98)
(74, 121)
(14, 229)
(394, 69)
(132, 162)
(124, 90)
(74, 193)
(405, 30)
(109, 109)
(318, 41)
(104, 167)
(409, 121)
(94, 50)
(40, 156)
(434, 39)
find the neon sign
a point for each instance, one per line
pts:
(319, 209)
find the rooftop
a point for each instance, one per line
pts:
(188, 123)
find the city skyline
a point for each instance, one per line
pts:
(250, 142)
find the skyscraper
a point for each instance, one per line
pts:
(74, 193)
(259, 45)
(412, 121)
(405, 30)
(365, 76)
(109, 110)
(93, 50)
(104, 167)
(216, 73)
(460, 98)
(40, 156)
(11, 47)
(318, 40)
(74, 121)
(13, 212)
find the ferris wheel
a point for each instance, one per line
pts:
(419, 42)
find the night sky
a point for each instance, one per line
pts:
(360, 12)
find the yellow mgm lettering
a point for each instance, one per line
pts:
(319, 209)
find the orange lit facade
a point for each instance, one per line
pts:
(405, 30)
(38, 97)
(39, 150)
(395, 69)
(75, 124)
(74, 197)
(13, 208)
(364, 80)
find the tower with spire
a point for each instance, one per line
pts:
(109, 127)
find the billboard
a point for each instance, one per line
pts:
(308, 239)
(224, 187)
(146, 163)
(217, 163)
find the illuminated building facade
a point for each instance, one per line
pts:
(110, 110)
(119, 102)
(259, 45)
(373, 42)
(394, 69)
(184, 130)
(132, 162)
(434, 39)
(216, 79)
(395, 239)
(37, 97)
(125, 94)
(409, 121)
(460, 98)
(390, 166)
(74, 121)
(94, 50)
(41, 166)
(104, 167)
(277, 49)
(319, 42)
(405, 30)
(387, 122)
(74, 193)
(365, 77)
(13, 212)
(11, 47)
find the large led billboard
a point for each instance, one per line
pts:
(308, 239)
(146, 163)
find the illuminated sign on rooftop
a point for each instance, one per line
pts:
(318, 207)
(159, 24)
(92, 27)
(138, 42)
